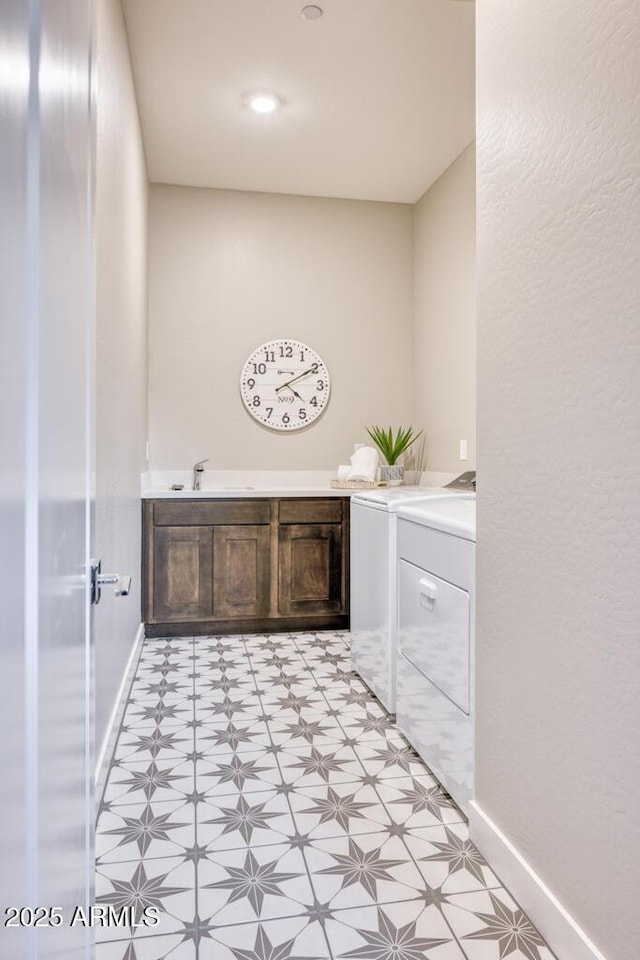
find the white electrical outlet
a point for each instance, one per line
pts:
(463, 450)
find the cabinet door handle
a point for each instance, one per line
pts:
(428, 593)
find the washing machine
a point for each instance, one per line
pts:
(373, 601)
(436, 656)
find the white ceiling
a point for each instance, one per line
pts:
(379, 94)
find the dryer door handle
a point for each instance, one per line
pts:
(428, 593)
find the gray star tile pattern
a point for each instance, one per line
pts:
(265, 804)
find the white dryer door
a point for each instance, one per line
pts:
(434, 631)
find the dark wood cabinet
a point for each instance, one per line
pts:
(182, 573)
(310, 568)
(241, 571)
(228, 566)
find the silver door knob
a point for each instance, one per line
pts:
(121, 585)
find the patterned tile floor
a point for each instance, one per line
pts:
(265, 803)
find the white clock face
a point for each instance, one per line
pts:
(285, 385)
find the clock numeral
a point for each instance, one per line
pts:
(256, 401)
(259, 368)
(286, 418)
(314, 401)
(320, 385)
(302, 356)
(251, 383)
(314, 368)
(269, 412)
(286, 352)
(302, 413)
(270, 356)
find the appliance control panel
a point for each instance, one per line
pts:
(466, 481)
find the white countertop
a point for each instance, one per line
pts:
(251, 484)
(248, 484)
(249, 493)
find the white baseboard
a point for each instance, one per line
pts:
(113, 726)
(563, 935)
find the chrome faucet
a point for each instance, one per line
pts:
(198, 470)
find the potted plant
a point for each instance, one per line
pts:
(392, 447)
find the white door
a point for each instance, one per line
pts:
(46, 303)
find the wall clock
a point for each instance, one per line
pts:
(285, 385)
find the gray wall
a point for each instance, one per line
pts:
(444, 286)
(558, 628)
(231, 270)
(121, 378)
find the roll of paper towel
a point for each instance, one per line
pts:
(364, 464)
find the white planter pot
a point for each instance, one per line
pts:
(394, 475)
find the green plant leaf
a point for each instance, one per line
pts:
(392, 447)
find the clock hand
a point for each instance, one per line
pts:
(299, 377)
(294, 392)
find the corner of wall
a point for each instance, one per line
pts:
(121, 215)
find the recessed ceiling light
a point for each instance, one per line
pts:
(261, 102)
(312, 12)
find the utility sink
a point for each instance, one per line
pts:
(240, 484)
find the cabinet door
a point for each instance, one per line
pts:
(310, 568)
(182, 573)
(241, 571)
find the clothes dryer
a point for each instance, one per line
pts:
(435, 676)
(373, 581)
